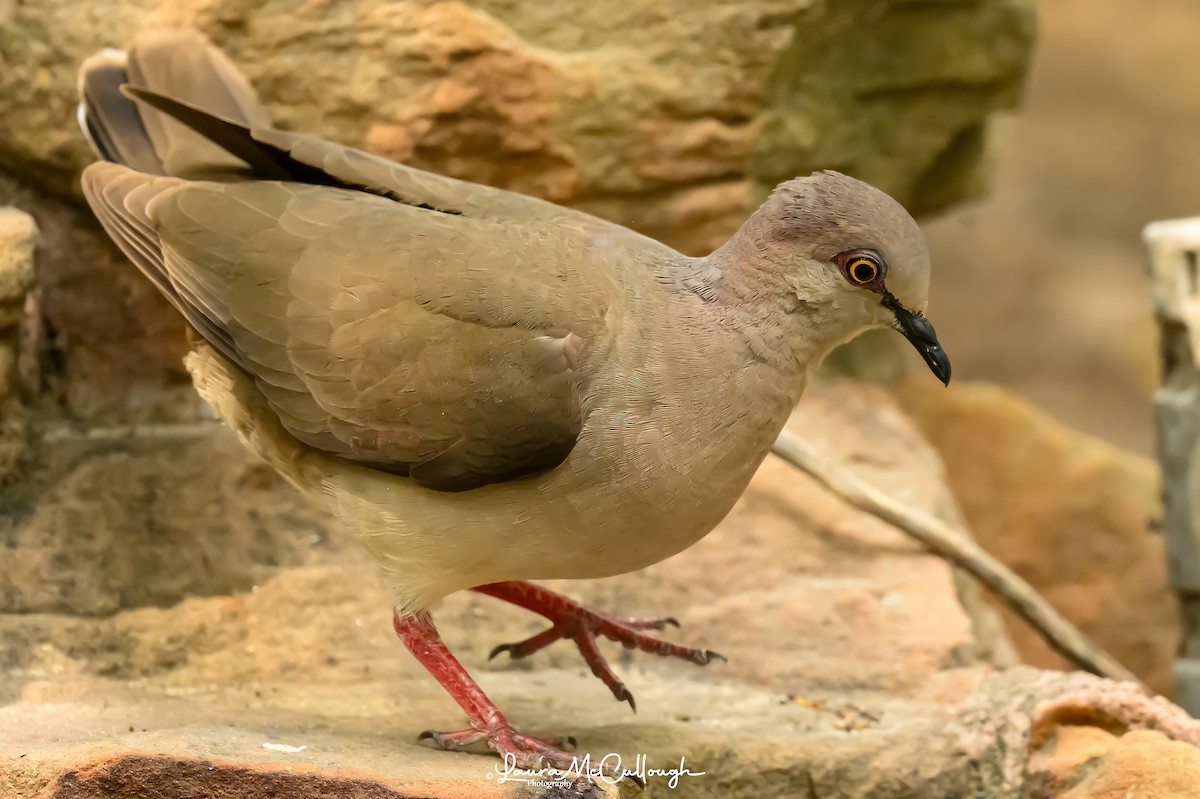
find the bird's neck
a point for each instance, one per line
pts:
(751, 298)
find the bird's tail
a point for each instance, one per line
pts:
(178, 64)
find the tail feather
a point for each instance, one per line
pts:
(174, 63)
(111, 123)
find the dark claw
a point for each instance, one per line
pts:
(623, 695)
(502, 648)
(709, 656)
(570, 741)
(426, 735)
(671, 620)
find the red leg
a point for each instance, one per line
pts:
(487, 722)
(582, 625)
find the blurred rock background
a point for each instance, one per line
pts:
(1041, 288)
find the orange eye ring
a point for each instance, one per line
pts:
(862, 271)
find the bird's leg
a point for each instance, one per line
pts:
(487, 722)
(582, 625)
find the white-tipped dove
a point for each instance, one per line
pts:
(485, 388)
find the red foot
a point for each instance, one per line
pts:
(487, 722)
(526, 750)
(582, 625)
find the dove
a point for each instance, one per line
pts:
(485, 389)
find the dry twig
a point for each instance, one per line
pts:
(959, 549)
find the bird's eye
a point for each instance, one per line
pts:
(862, 270)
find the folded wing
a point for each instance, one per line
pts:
(429, 344)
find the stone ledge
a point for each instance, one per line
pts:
(854, 670)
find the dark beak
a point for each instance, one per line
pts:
(919, 332)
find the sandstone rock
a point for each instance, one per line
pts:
(849, 646)
(351, 739)
(1071, 514)
(667, 115)
(1108, 742)
(18, 236)
(1042, 735)
(114, 350)
(106, 519)
(1143, 764)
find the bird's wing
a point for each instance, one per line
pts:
(428, 189)
(273, 154)
(427, 343)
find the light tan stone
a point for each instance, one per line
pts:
(1091, 763)
(848, 645)
(115, 353)
(1072, 515)
(854, 668)
(18, 237)
(626, 107)
(1144, 764)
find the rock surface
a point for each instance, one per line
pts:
(848, 646)
(1090, 763)
(18, 359)
(114, 347)
(665, 113)
(18, 237)
(1072, 515)
(151, 515)
(855, 667)
(1105, 741)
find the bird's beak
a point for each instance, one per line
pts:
(920, 333)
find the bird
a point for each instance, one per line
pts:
(484, 388)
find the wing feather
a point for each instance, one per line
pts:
(434, 345)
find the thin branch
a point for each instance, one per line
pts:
(958, 548)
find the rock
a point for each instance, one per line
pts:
(111, 348)
(1108, 742)
(107, 519)
(856, 668)
(670, 116)
(1143, 764)
(1069, 513)
(8, 371)
(849, 647)
(1034, 734)
(18, 237)
(115, 347)
(141, 777)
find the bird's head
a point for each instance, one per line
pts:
(852, 255)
